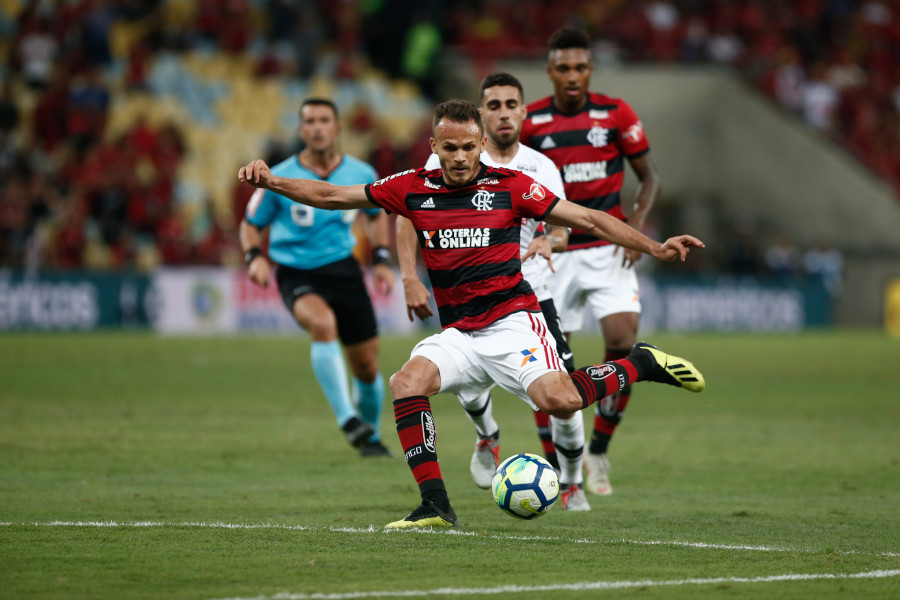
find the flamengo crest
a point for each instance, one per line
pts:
(598, 136)
(482, 200)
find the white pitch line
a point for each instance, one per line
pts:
(373, 529)
(572, 587)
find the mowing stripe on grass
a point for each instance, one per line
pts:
(573, 587)
(373, 529)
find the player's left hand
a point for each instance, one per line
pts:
(629, 256)
(678, 247)
(540, 246)
(256, 173)
(384, 279)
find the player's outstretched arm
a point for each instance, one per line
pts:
(319, 194)
(609, 228)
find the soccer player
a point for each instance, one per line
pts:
(589, 136)
(319, 279)
(467, 217)
(502, 111)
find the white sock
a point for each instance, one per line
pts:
(568, 438)
(479, 410)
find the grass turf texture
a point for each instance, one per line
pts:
(787, 464)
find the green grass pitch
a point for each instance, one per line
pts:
(133, 466)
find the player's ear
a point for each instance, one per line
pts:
(433, 145)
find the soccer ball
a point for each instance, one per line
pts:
(525, 486)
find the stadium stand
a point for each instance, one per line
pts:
(123, 122)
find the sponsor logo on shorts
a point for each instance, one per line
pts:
(429, 431)
(600, 372)
(528, 353)
(536, 191)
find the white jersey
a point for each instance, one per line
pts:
(544, 171)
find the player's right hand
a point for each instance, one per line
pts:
(255, 173)
(417, 296)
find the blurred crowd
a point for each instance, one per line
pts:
(834, 63)
(73, 195)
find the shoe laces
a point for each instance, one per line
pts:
(568, 493)
(490, 445)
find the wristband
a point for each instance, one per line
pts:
(252, 253)
(381, 256)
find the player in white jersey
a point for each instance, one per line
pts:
(502, 112)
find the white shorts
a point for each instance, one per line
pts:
(596, 277)
(537, 273)
(512, 352)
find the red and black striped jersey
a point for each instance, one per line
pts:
(469, 236)
(589, 147)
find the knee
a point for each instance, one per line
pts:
(403, 385)
(366, 369)
(323, 330)
(561, 404)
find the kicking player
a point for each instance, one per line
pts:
(502, 112)
(589, 136)
(468, 218)
(319, 280)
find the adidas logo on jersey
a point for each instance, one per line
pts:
(428, 203)
(548, 143)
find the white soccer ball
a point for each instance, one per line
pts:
(525, 486)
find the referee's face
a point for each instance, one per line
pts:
(318, 127)
(502, 112)
(458, 146)
(570, 71)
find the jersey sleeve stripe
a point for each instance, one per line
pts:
(549, 208)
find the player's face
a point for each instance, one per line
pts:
(318, 127)
(570, 71)
(502, 112)
(458, 146)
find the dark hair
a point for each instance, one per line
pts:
(569, 37)
(456, 111)
(501, 78)
(318, 102)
